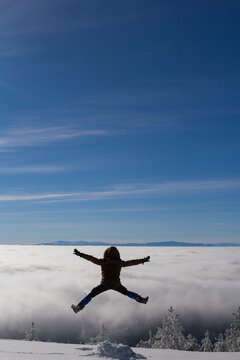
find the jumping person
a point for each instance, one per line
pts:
(111, 265)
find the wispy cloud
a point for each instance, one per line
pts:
(11, 51)
(21, 18)
(21, 21)
(176, 188)
(33, 197)
(31, 17)
(32, 169)
(33, 136)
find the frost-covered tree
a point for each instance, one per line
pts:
(170, 334)
(100, 337)
(32, 333)
(220, 344)
(191, 343)
(148, 343)
(236, 320)
(232, 335)
(207, 343)
(231, 342)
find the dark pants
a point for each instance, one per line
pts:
(101, 288)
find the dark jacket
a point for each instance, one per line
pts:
(111, 267)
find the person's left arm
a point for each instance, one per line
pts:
(135, 261)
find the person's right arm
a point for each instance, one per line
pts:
(87, 257)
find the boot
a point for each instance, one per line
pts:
(77, 308)
(142, 300)
(81, 305)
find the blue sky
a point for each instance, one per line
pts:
(119, 121)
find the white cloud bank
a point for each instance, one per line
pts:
(40, 283)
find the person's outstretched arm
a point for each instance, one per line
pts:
(135, 262)
(87, 257)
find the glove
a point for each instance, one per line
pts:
(76, 252)
(146, 259)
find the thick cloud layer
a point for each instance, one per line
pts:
(39, 284)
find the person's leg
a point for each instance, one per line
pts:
(131, 295)
(95, 291)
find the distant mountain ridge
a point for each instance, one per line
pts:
(156, 244)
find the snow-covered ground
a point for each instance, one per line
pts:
(31, 350)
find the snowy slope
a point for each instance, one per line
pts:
(26, 350)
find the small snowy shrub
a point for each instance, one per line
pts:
(32, 333)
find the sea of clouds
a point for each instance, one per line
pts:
(39, 284)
